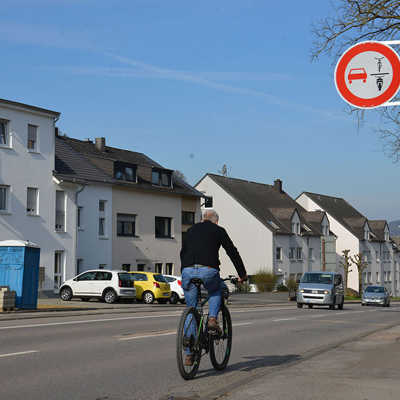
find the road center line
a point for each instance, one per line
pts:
(19, 353)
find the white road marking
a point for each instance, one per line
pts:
(174, 314)
(151, 335)
(284, 319)
(87, 321)
(19, 353)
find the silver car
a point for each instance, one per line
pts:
(321, 288)
(377, 295)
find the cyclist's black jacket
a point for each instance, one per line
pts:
(201, 244)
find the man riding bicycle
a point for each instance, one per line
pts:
(199, 259)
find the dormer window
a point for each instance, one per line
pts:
(124, 171)
(296, 228)
(161, 178)
(387, 236)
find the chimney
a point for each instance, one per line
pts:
(278, 185)
(100, 143)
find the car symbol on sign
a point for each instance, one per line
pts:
(357, 73)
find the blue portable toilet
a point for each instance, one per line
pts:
(19, 269)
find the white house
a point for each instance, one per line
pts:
(356, 233)
(270, 230)
(34, 206)
(132, 212)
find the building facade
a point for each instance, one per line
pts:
(34, 206)
(271, 231)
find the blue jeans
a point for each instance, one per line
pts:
(213, 284)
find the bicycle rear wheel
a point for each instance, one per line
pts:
(186, 341)
(221, 345)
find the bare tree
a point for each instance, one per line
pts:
(180, 175)
(346, 264)
(359, 20)
(358, 261)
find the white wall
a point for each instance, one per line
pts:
(92, 249)
(21, 169)
(146, 248)
(252, 238)
(345, 239)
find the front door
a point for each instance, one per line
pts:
(58, 270)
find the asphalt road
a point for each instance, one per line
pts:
(132, 356)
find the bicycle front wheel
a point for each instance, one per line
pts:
(221, 345)
(187, 343)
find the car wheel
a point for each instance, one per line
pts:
(174, 298)
(148, 297)
(310, 306)
(66, 293)
(340, 306)
(299, 305)
(110, 296)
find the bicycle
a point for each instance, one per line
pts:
(202, 342)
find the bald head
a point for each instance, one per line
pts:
(210, 215)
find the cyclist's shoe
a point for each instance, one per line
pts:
(213, 326)
(189, 360)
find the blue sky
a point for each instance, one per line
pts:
(196, 85)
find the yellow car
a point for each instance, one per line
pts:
(151, 286)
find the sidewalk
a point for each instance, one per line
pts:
(362, 370)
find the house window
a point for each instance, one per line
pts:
(158, 268)
(126, 225)
(126, 267)
(101, 226)
(389, 276)
(377, 277)
(377, 255)
(4, 195)
(4, 133)
(299, 252)
(279, 253)
(187, 218)
(208, 202)
(140, 267)
(102, 205)
(60, 211)
(169, 268)
(369, 277)
(79, 217)
(124, 171)
(292, 251)
(32, 201)
(32, 137)
(163, 227)
(161, 178)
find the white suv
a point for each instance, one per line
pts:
(105, 284)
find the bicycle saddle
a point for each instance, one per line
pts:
(196, 281)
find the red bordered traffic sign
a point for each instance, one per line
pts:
(368, 74)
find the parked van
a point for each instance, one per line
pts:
(321, 288)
